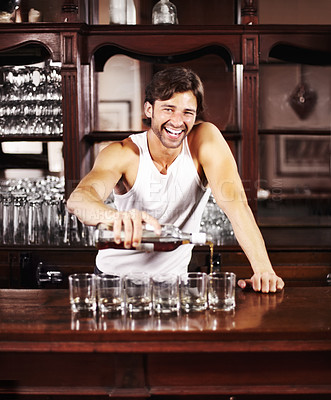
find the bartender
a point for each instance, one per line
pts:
(165, 176)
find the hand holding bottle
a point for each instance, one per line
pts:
(127, 227)
(168, 239)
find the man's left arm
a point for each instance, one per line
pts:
(221, 171)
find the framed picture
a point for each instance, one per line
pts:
(114, 115)
(295, 162)
(303, 155)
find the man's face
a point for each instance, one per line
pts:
(173, 119)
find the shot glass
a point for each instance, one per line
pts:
(82, 291)
(138, 293)
(193, 292)
(109, 293)
(221, 291)
(165, 289)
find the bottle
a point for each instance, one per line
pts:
(164, 13)
(170, 238)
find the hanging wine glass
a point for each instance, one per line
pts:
(40, 80)
(24, 125)
(18, 81)
(38, 127)
(29, 89)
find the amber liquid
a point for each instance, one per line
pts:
(211, 262)
(157, 245)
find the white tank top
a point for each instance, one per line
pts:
(177, 198)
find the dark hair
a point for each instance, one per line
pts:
(169, 81)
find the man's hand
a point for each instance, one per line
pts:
(265, 282)
(131, 222)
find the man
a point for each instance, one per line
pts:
(165, 175)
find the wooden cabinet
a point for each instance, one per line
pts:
(83, 49)
(236, 45)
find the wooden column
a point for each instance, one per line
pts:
(249, 118)
(250, 104)
(70, 110)
(70, 10)
(70, 104)
(249, 12)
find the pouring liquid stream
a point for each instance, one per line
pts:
(211, 259)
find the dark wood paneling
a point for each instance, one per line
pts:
(47, 350)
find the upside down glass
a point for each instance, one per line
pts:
(7, 221)
(35, 234)
(19, 218)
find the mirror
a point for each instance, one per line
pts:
(121, 87)
(295, 145)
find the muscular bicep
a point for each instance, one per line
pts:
(220, 168)
(107, 171)
(225, 182)
(97, 183)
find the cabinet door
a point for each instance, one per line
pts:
(294, 144)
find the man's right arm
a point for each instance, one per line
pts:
(87, 200)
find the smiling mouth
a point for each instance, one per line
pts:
(173, 132)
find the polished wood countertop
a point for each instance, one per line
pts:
(276, 345)
(297, 318)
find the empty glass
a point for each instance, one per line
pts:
(19, 218)
(52, 218)
(35, 234)
(47, 221)
(7, 222)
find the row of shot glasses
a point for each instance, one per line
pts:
(163, 294)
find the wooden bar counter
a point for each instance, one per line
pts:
(270, 346)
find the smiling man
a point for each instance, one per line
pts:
(164, 176)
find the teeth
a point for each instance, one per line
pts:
(173, 131)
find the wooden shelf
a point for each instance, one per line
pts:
(290, 131)
(31, 138)
(100, 136)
